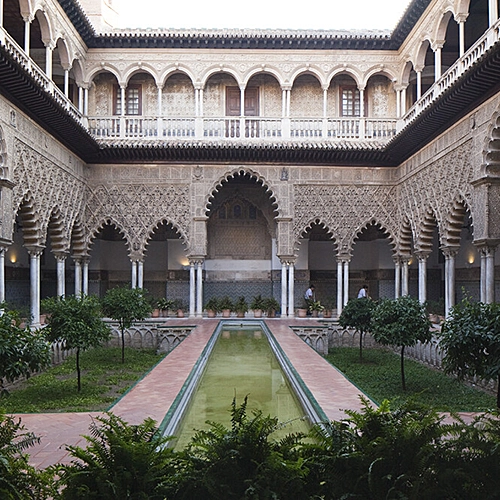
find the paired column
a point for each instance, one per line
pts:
(449, 277)
(196, 288)
(35, 253)
(487, 273)
(287, 288)
(422, 275)
(401, 275)
(61, 273)
(342, 282)
(78, 275)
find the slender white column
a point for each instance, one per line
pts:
(134, 274)
(122, 94)
(325, 103)
(48, 60)
(483, 277)
(35, 287)
(86, 101)
(159, 110)
(398, 103)
(404, 277)
(66, 82)
(288, 101)
(284, 289)
(437, 63)
(419, 84)
(339, 287)
(461, 35)
(346, 281)
(283, 103)
(85, 277)
(361, 103)
(403, 102)
(80, 99)
(192, 290)
(1, 12)
(199, 289)
(201, 103)
(27, 24)
(242, 101)
(61, 272)
(397, 278)
(449, 279)
(492, 11)
(2, 266)
(140, 274)
(490, 277)
(78, 277)
(422, 277)
(291, 290)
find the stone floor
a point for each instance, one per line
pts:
(154, 394)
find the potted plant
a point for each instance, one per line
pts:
(212, 307)
(226, 305)
(302, 311)
(164, 305)
(180, 307)
(258, 304)
(315, 307)
(329, 303)
(240, 307)
(271, 305)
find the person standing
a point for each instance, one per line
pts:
(363, 292)
(309, 297)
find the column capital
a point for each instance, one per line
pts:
(35, 250)
(450, 251)
(422, 254)
(196, 259)
(61, 255)
(287, 259)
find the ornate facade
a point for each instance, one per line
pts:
(201, 163)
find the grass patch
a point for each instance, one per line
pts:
(378, 375)
(104, 380)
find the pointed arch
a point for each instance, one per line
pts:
(243, 172)
(108, 221)
(29, 218)
(425, 231)
(313, 221)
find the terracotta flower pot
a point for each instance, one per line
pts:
(301, 313)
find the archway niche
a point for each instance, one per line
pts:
(372, 263)
(317, 264)
(241, 241)
(109, 264)
(166, 266)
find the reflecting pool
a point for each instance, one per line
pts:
(240, 363)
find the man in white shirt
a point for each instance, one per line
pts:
(363, 292)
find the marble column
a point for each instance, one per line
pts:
(291, 289)
(284, 288)
(192, 289)
(199, 289)
(419, 84)
(422, 276)
(35, 254)
(397, 277)
(487, 273)
(492, 12)
(449, 277)
(346, 281)
(85, 276)
(140, 274)
(61, 273)
(339, 287)
(78, 276)
(134, 274)
(437, 61)
(405, 276)
(2, 273)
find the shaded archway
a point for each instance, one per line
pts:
(372, 262)
(241, 240)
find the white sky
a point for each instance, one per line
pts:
(262, 14)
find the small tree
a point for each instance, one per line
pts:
(470, 338)
(126, 305)
(402, 322)
(357, 314)
(77, 322)
(22, 351)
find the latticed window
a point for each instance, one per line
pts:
(350, 101)
(132, 100)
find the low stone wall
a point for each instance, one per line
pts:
(316, 337)
(150, 335)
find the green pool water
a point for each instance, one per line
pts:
(241, 363)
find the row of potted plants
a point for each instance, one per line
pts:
(240, 306)
(168, 307)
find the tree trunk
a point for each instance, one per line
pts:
(123, 345)
(360, 345)
(498, 392)
(403, 367)
(78, 372)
